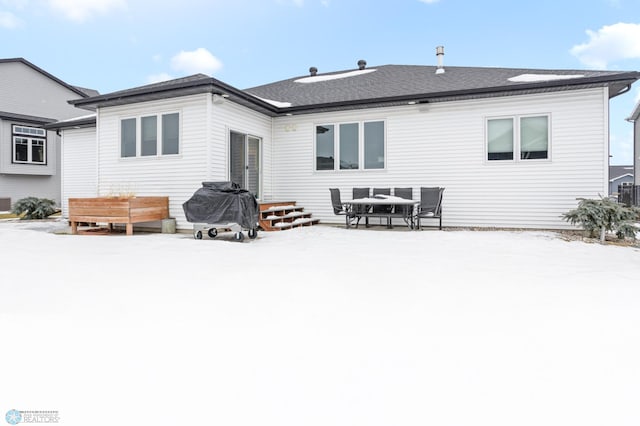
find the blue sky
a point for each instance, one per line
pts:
(110, 45)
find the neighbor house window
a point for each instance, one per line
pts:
(150, 135)
(350, 146)
(29, 145)
(528, 136)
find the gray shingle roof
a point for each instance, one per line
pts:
(616, 172)
(373, 86)
(389, 82)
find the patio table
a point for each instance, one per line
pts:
(385, 200)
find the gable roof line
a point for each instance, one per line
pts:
(73, 123)
(25, 118)
(46, 74)
(621, 176)
(635, 114)
(197, 81)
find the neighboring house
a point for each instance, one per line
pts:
(619, 175)
(635, 119)
(30, 155)
(512, 147)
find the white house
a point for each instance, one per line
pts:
(512, 147)
(30, 155)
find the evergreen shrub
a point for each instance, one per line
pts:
(34, 208)
(602, 215)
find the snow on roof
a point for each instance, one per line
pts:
(318, 78)
(526, 78)
(620, 177)
(278, 104)
(82, 117)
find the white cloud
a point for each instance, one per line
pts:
(429, 1)
(196, 61)
(609, 44)
(9, 21)
(157, 78)
(82, 10)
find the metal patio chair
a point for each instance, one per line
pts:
(401, 210)
(361, 210)
(339, 208)
(383, 210)
(430, 205)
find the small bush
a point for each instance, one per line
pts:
(604, 215)
(34, 208)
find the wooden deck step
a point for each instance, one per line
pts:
(282, 215)
(296, 223)
(282, 208)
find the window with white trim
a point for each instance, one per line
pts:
(518, 138)
(150, 135)
(350, 146)
(29, 145)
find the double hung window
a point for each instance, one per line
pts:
(350, 146)
(518, 138)
(29, 145)
(150, 135)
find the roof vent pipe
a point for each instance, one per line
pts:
(313, 71)
(362, 64)
(440, 56)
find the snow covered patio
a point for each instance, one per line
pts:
(319, 326)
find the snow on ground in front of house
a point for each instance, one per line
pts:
(319, 326)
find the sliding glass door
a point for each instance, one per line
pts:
(244, 161)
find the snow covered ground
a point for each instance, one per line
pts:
(319, 326)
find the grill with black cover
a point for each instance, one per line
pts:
(222, 205)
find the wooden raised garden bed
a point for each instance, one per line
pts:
(112, 210)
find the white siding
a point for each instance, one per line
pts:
(175, 176)
(228, 117)
(79, 173)
(443, 144)
(204, 129)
